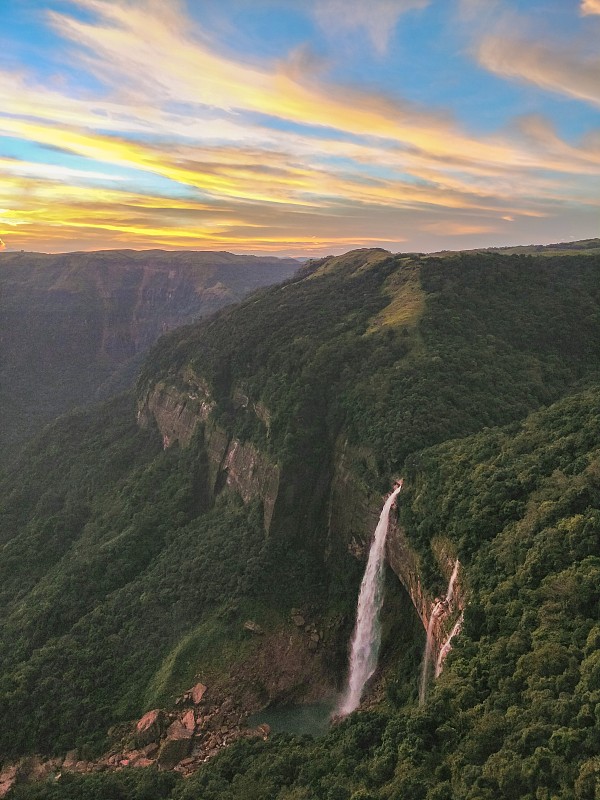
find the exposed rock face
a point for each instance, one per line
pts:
(406, 564)
(354, 507)
(238, 466)
(177, 413)
(354, 514)
(150, 727)
(8, 778)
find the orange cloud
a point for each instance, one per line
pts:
(230, 181)
(450, 228)
(590, 7)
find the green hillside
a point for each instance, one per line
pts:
(128, 571)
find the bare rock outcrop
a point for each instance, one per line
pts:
(239, 467)
(150, 727)
(176, 745)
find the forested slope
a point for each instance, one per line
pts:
(141, 568)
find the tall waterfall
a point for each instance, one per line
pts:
(451, 582)
(367, 632)
(439, 610)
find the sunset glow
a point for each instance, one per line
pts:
(298, 127)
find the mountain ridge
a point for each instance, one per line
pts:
(489, 372)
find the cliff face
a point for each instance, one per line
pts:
(354, 507)
(237, 466)
(74, 326)
(354, 513)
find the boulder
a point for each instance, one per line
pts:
(253, 627)
(188, 720)
(298, 620)
(175, 747)
(143, 762)
(198, 693)
(150, 727)
(264, 729)
(71, 759)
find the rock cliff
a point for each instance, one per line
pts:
(238, 466)
(354, 506)
(354, 512)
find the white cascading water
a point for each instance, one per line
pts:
(450, 592)
(447, 646)
(436, 612)
(440, 609)
(367, 632)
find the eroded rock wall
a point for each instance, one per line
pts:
(354, 513)
(235, 465)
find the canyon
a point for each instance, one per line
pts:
(74, 327)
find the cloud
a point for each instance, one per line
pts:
(377, 18)
(2, 245)
(189, 146)
(167, 66)
(590, 7)
(564, 70)
(453, 228)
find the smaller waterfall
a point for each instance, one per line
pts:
(436, 613)
(441, 607)
(367, 633)
(447, 646)
(451, 582)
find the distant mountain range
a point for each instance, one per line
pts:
(74, 326)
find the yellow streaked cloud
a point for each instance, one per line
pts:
(172, 66)
(457, 228)
(180, 109)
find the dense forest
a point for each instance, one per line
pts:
(126, 572)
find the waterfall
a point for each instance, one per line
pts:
(440, 609)
(367, 632)
(452, 581)
(436, 612)
(447, 646)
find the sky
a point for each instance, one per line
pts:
(298, 127)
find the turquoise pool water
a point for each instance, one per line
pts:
(313, 719)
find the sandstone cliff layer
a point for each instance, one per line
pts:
(354, 506)
(238, 466)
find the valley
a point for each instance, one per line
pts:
(212, 525)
